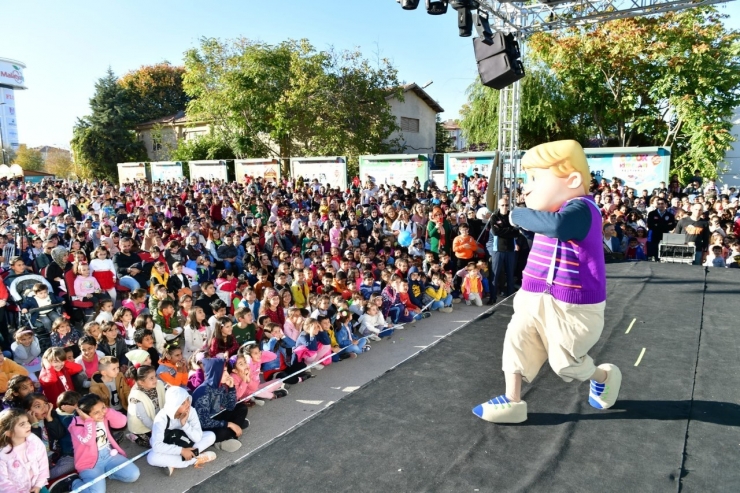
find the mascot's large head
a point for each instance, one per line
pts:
(556, 172)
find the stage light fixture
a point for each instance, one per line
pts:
(464, 4)
(436, 7)
(408, 4)
(483, 27)
(465, 22)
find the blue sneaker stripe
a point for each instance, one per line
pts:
(594, 403)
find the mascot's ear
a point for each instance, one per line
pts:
(574, 180)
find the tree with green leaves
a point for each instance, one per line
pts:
(155, 91)
(546, 112)
(669, 80)
(290, 99)
(104, 138)
(30, 159)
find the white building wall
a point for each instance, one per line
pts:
(414, 107)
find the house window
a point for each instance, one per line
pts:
(410, 124)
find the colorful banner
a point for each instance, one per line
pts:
(641, 168)
(269, 169)
(8, 120)
(395, 168)
(468, 163)
(331, 170)
(128, 172)
(208, 170)
(166, 170)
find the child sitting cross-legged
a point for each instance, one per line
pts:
(178, 440)
(144, 402)
(313, 345)
(110, 384)
(27, 352)
(246, 374)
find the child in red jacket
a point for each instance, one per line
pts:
(60, 375)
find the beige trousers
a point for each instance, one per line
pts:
(543, 329)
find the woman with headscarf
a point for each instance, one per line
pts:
(439, 232)
(59, 265)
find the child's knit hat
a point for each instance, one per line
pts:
(137, 357)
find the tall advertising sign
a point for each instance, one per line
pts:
(269, 169)
(331, 170)
(11, 78)
(395, 168)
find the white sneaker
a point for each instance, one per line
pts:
(230, 445)
(467, 302)
(258, 402)
(373, 338)
(446, 309)
(604, 395)
(318, 367)
(501, 410)
(205, 457)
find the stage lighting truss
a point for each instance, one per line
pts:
(527, 18)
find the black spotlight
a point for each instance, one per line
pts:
(408, 4)
(465, 22)
(436, 7)
(499, 63)
(483, 27)
(464, 4)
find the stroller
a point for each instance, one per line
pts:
(22, 287)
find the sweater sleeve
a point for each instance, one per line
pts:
(143, 416)
(572, 223)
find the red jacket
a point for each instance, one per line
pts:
(55, 382)
(407, 302)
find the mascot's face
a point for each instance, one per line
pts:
(546, 192)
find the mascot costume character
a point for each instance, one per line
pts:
(559, 311)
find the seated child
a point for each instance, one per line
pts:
(136, 302)
(245, 330)
(112, 387)
(25, 468)
(47, 425)
(63, 335)
(472, 287)
(215, 402)
(196, 332)
(111, 343)
(372, 323)
(105, 313)
(60, 375)
(246, 374)
(17, 388)
(437, 294)
(313, 345)
(144, 402)
(223, 343)
(89, 358)
(177, 439)
(173, 368)
(345, 337)
(95, 449)
(27, 352)
(144, 339)
(124, 319)
(41, 298)
(166, 324)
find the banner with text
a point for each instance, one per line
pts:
(641, 168)
(331, 170)
(468, 164)
(269, 169)
(394, 168)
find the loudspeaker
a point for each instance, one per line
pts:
(500, 42)
(500, 70)
(409, 4)
(465, 22)
(436, 7)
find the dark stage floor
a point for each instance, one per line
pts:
(675, 428)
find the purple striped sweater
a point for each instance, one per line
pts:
(580, 272)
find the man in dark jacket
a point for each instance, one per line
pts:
(229, 254)
(207, 296)
(502, 247)
(659, 221)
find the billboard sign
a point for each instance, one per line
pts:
(129, 172)
(208, 170)
(641, 168)
(269, 169)
(166, 170)
(331, 170)
(11, 74)
(392, 169)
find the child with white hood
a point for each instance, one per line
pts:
(177, 438)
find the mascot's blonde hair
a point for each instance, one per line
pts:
(563, 157)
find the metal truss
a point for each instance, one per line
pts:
(531, 17)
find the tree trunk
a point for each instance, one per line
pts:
(285, 152)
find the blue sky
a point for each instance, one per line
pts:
(68, 45)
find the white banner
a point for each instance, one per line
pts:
(208, 170)
(395, 169)
(8, 122)
(128, 172)
(269, 169)
(331, 170)
(166, 170)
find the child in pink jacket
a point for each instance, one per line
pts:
(24, 466)
(95, 450)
